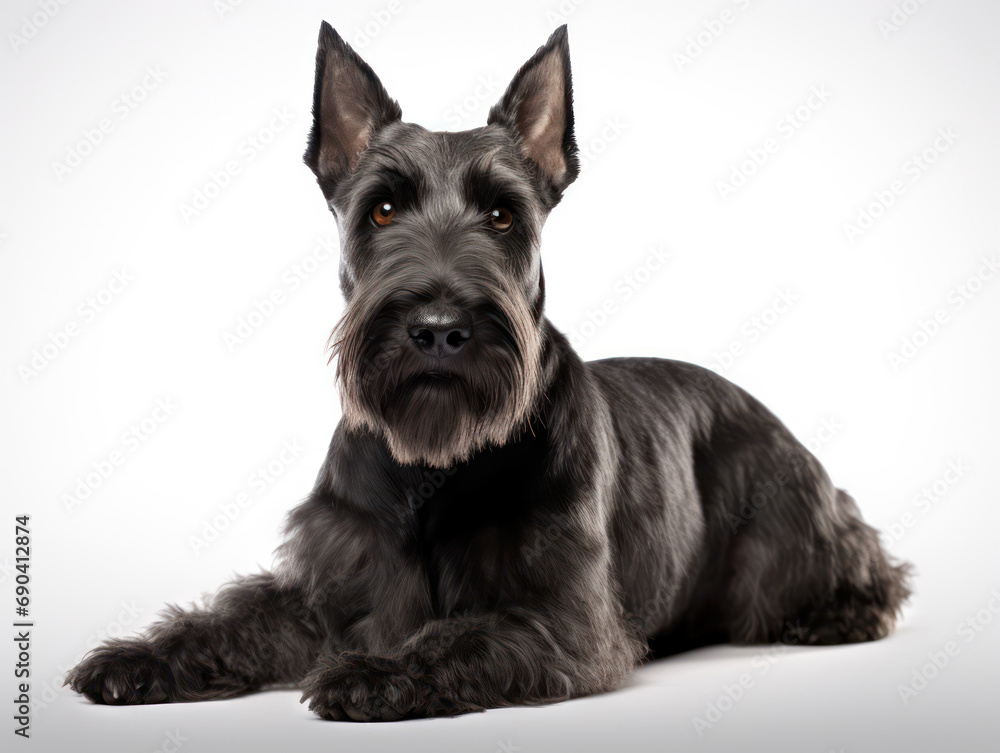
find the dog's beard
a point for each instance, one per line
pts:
(438, 421)
(439, 414)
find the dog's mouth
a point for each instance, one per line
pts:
(433, 375)
(430, 379)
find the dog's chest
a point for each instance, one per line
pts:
(474, 531)
(469, 544)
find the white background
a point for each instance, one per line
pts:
(651, 181)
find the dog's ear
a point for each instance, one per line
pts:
(538, 108)
(350, 105)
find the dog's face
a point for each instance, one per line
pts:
(439, 346)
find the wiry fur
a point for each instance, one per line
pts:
(507, 524)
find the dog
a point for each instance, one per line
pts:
(498, 523)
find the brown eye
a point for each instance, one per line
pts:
(501, 219)
(383, 213)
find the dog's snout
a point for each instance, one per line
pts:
(439, 329)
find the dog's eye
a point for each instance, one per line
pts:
(501, 219)
(383, 213)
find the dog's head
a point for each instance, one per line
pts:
(439, 346)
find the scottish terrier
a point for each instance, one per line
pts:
(497, 522)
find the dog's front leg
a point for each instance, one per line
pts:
(253, 633)
(465, 664)
(567, 638)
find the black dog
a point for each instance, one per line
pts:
(497, 522)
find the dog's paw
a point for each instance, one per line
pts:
(122, 672)
(361, 687)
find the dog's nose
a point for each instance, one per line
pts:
(439, 329)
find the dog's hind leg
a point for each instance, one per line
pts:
(866, 590)
(833, 585)
(250, 635)
(801, 564)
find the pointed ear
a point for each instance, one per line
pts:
(538, 108)
(350, 106)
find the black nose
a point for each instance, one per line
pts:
(439, 329)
